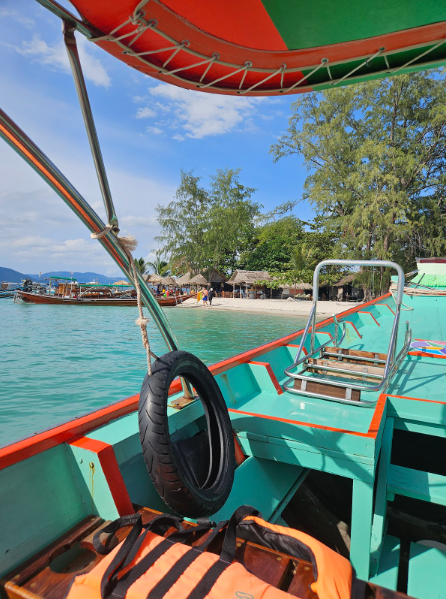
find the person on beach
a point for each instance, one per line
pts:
(211, 295)
(204, 295)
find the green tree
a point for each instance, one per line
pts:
(183, 223)
(376, 155)
(159, 267)
(275, 243)
(141, 265)
(231, 220)
(204, 229)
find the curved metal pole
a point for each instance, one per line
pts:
(81, 89)
(26, 148)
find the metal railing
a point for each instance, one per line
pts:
(391, 363)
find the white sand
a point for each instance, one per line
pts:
(273, 306)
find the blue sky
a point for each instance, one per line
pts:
(148, 132)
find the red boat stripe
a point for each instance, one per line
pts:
(11, 454)
(372, 432)
(358, 333)
(110, 468)
(271, 374)
(365, 312)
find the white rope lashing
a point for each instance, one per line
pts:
(128, 245)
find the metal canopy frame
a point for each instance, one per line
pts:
(277, 74)
(30, 152)
(391, 363)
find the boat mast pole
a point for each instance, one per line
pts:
(26, 148)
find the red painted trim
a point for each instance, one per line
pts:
(110, 468)
(294, 345)
(21, 450)
(325, 333)
(350, 322)
(366, 312)
(271, 374)
(388, 307)
(372, 432)
(425, 355)
(443, 403)
(432, 261)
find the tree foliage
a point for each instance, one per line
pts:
(376, 156)
(208, 228)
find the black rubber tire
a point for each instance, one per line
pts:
(172, 481)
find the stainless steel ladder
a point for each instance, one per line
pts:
(337, 363)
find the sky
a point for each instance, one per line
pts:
(148, 132)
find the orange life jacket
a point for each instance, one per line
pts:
(149, 566)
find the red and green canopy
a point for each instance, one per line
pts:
(268, 47)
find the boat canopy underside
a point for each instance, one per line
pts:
(262, 47)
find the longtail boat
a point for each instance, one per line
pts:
(71, 293)
(335, 433)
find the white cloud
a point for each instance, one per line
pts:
(154, 130)
(56, 57)
(196, 114)
(145, 113)
(19, 17)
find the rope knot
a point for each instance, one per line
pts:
(101, 234)
(142, 321)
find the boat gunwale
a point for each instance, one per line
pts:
(35, 444)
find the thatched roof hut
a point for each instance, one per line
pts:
(213, 276)
(198, 280)
(301, 285)
(345, 280)
(153, 278)
(248, 277)
(169, 281)
(122, 282)
(184, 279)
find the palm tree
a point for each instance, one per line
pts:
(158, 266)
(141, 265)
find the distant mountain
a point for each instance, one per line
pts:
(81, 277)
(13, 276)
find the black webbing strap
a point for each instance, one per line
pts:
(158, 525)
(110, 530)
(124, 550)
(170, 578)
(205, 585)
(118, 588)
(227, 554)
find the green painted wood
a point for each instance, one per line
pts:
(379, 517)
(427, 566)
(263, 378)
(434, 430)
(416, 413)
(361, 527)
(260, 483)
(344, 465)
(39, 502)
(387, 575)
(416, 484)
(91, 482)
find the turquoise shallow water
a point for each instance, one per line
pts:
(58, 362)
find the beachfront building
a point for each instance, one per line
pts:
(250, 283)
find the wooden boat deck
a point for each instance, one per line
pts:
(49, 574)
(94, 465)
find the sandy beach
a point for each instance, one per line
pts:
(273, 306)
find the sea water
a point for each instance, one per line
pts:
(59, 362)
